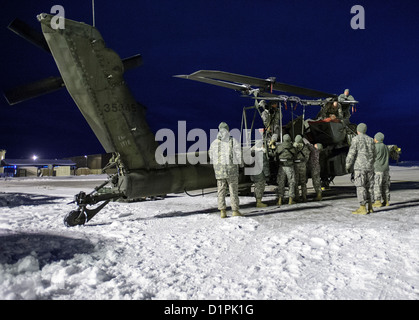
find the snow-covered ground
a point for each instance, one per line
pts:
(179, 248)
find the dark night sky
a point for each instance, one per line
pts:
(305, 43)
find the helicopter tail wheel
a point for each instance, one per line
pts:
(82, 215)
(75, 218)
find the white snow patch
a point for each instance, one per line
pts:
(179, 248)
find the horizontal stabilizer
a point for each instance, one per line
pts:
(33, 90)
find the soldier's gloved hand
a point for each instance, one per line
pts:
(272, 144)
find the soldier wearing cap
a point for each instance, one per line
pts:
(362, 156)
(382, 173)
(225, 154)
(300, 166)
(345, 96)
(271, 117)
(314, 161)
(286, 153)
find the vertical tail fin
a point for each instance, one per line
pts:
(93, 75)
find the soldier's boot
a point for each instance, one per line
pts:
(237, 214)
(318, 196)
(370, 209)
(279, 201)
(361, 210)
(386, 202)
(377, 204)
(291, 201)
(223, 214)
(260, 204)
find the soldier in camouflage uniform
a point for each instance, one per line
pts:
(314, 161)
(300, 166)
(332, 110)
(345, 96)
(362, 156)
(260, 179)
(271, 117)
(382, 172)
(225, 154)
(286, 153)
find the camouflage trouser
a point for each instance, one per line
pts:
(382, 186)
(260, 183)
(315, 178)
(285, 173)
(259, 189)
(300, 179)
(364, 182)
(233, 184)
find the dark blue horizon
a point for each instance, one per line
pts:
(305, 43)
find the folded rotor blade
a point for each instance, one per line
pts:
(252, 81)
(301, 91)
(234, 86)
(232, 77)
(28, 33)
(33, 90)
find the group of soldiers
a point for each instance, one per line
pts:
(225, 153)
(368, 158)
(293, 159)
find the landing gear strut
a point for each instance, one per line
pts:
(82, 215)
